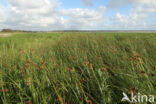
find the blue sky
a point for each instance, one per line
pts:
(78, 14)
(3, 2)
(78, 4)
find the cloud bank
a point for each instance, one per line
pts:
(46, 15)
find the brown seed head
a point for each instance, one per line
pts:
(132, 90)
(99, 57)
(35, 65)
(152, 74)
(29, 102)
(29, 61)
(4, 90)
(135, 64)
(88, 101)
(104, 69)
(20, 49)
(32, 50)
(60, 99)
(131, 58)
(86, 63)
(27, 65)
(42, 67)
(91, 66)
(73, 57)
(54, 64)
(28, 82)
(155, 68)
(143, 72)
(83, 80)
(43, 62)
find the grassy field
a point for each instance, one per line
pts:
(76, 67)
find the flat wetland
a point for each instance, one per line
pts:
(76, 67)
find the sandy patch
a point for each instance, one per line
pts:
(5, 35)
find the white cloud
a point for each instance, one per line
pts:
(25, 4)
(36, 14)
(130, 21)
(124, 3)
(83, 18)
(46, 15)
(87, 2)
(2, 15)
(138, 1)
(37, 6)
(138, 16)
(148, 7)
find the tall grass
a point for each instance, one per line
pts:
(76, 68)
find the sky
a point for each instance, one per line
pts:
(47, 15)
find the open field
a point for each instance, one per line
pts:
(76, 67)
(6, 34)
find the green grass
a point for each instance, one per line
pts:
(76, 68)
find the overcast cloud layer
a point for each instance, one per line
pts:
(48, 15)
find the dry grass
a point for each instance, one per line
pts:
(6, 34)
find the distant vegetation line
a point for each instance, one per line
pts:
(138, 31)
